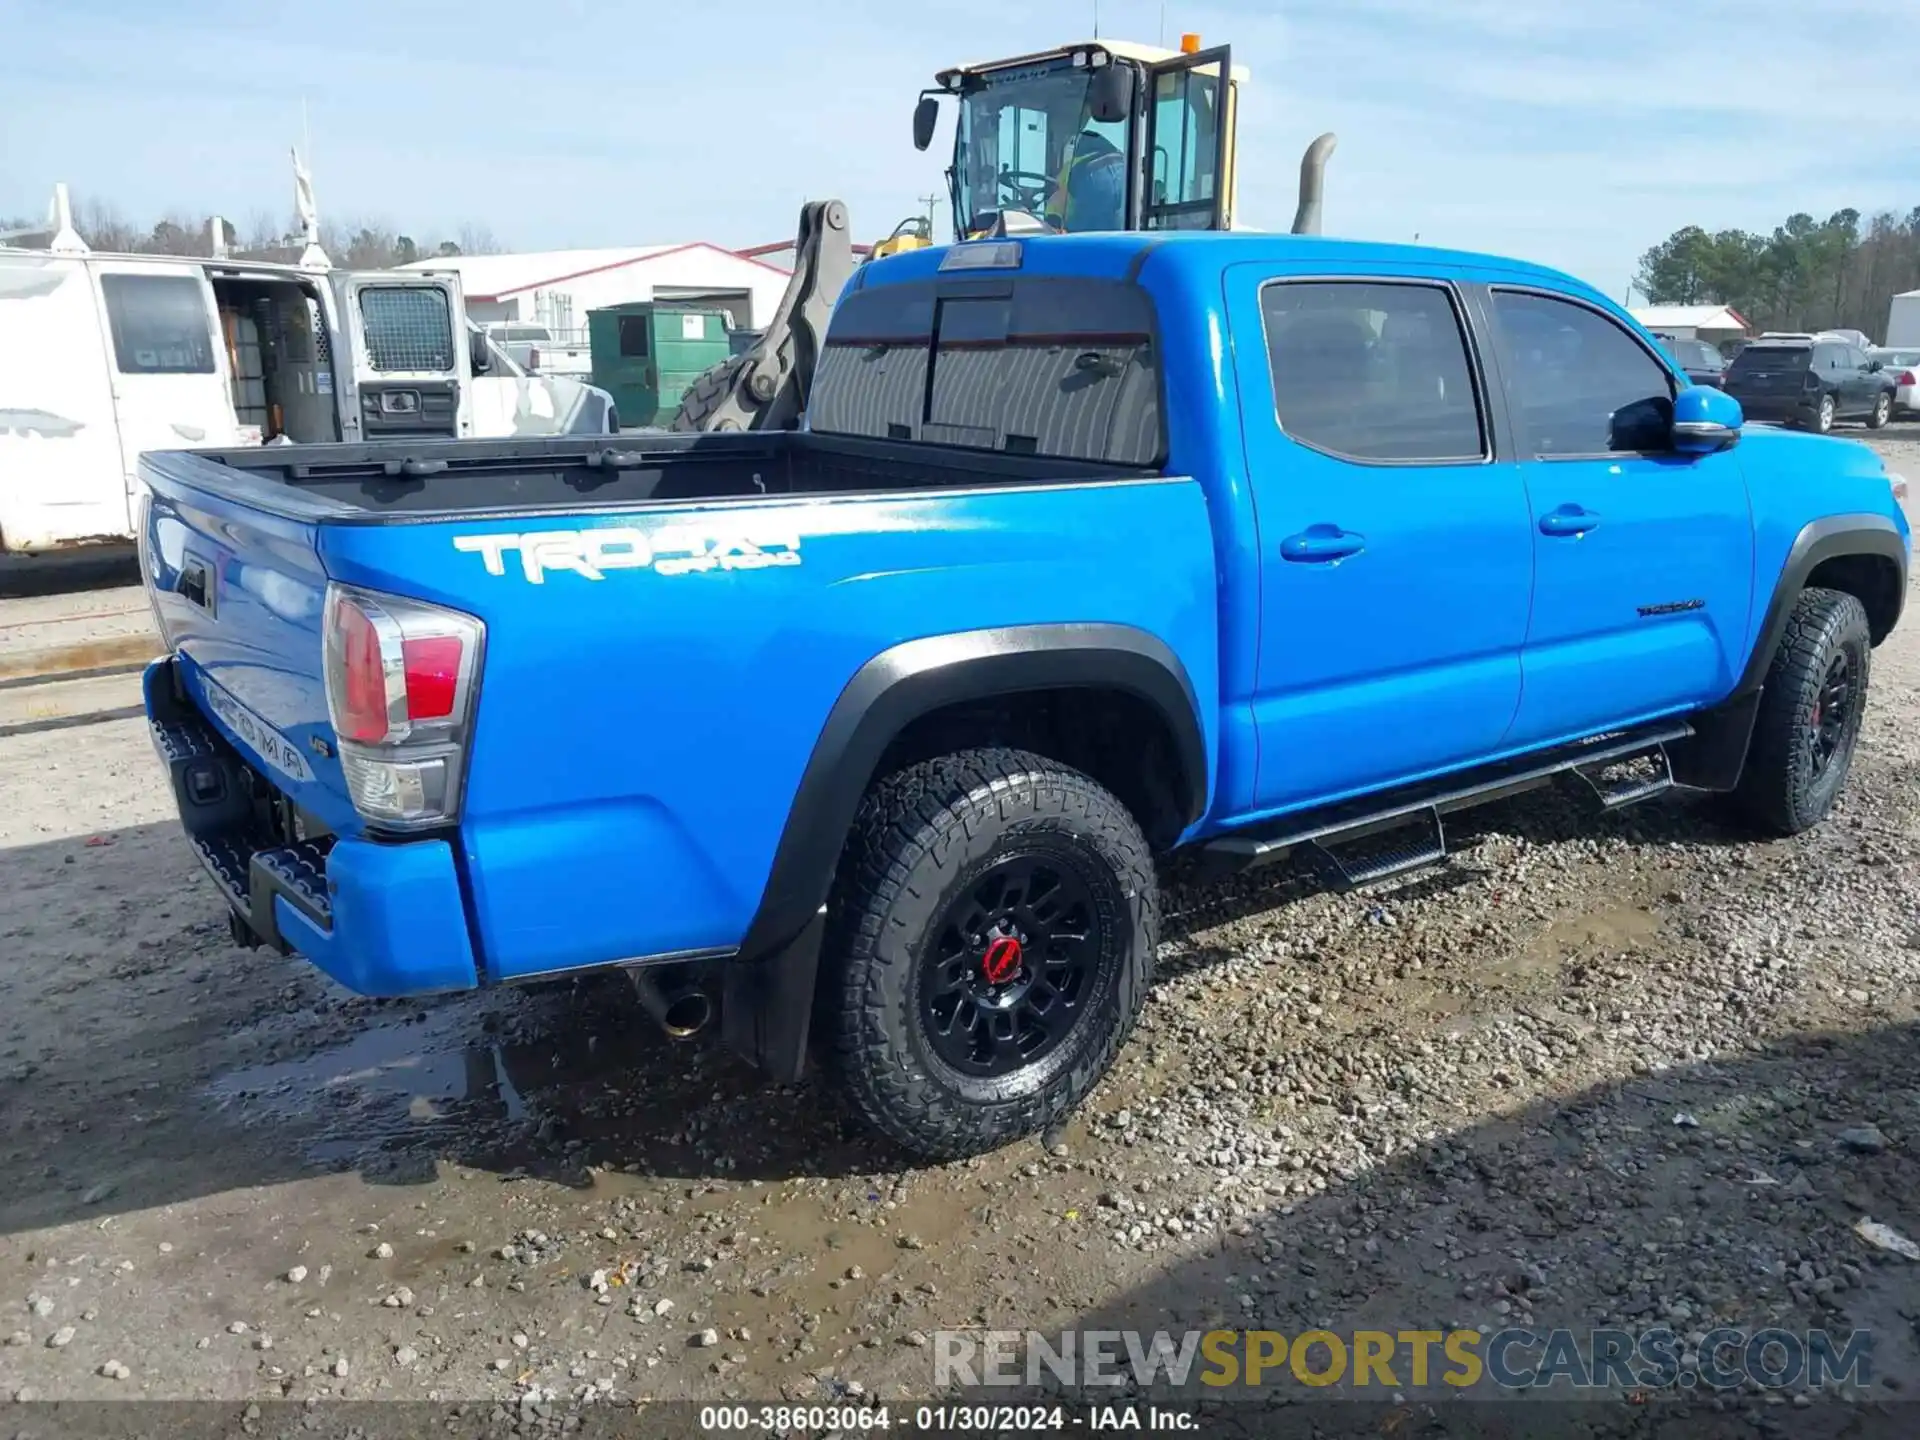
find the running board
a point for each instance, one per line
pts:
(1615, 789)
(1404, 855)
(1357, 819)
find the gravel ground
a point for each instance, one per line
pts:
(1628, 1070)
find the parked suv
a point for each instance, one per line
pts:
(1704, 364)
(1810, 381)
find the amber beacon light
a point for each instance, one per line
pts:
(1189, 44)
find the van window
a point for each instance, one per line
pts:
(408, 328)
(1058, 366)
(159, 323)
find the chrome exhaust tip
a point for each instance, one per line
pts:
(677, 1003)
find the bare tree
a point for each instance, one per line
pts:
(478, 240)
(355, 243)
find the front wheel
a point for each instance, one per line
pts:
(994, 922)
(1882, 411)
(1810, 714)
(711, 389)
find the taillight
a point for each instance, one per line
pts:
(400, 677)
(1905, 377)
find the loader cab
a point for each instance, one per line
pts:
(1100, 136)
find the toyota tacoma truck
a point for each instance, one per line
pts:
(867, 736)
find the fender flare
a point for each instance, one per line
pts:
(913, 679)
(1865, 534)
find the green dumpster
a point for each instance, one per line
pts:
(646, 354)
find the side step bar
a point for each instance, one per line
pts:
(1597, 761)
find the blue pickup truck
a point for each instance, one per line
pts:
(868, 736)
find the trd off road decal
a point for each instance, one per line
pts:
(675, 550)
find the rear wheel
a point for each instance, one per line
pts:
(1882, 411)
(1810, 714)
(994, 920)
(1823, 417)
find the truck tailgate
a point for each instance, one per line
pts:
(238, 595)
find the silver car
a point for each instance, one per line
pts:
(1904, 365)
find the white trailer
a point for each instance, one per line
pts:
(105, 356)
(1903, 321)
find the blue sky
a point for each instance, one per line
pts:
(1574, 132)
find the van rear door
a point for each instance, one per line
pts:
(172, 378)
(404, 374)
(62, 479)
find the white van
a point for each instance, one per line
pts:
(105, 356)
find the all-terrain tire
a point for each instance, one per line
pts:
(1785, 788)
(705, 395)
(927, 839)
(1882, 411)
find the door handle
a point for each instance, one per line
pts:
(1568, 520)
(1319, 544)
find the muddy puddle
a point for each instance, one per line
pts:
(459, 1076)
(557, 1084)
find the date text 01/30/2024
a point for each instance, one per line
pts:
(957, 1419)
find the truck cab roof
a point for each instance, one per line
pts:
(1116, 255)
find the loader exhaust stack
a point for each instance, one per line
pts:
(1313, 174)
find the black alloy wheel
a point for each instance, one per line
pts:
(1010, 964)
(1832, 714)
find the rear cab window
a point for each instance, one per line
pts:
(159, 323)
(409, 329)
(1062, 367)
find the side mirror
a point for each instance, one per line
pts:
(1874, 367)
(479, 357)
(1110, 93)
(1705, 419)
(1642, 425)
(926, 115)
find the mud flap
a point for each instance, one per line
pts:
(1714, 755)
(766, 1004)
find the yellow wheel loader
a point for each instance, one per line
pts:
(913, 233)
(1100, 135)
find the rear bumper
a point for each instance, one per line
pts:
(1779, 408)
(382, 919)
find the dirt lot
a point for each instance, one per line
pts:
(1622, 1071)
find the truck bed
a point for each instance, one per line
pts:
(626, 782)
(369, 482)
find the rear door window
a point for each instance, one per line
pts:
(408, 328)
(1372, 370)
(1057, 366)
(159, 323)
